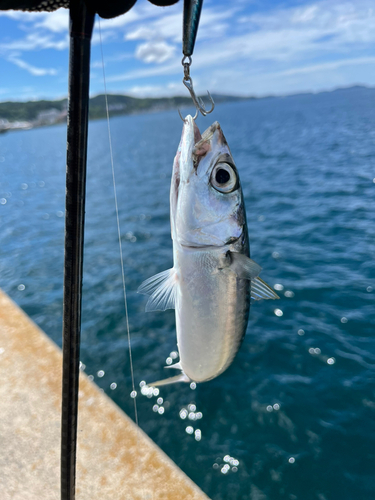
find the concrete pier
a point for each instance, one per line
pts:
(115, 459)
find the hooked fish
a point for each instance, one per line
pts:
(213, 278)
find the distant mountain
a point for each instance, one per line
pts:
(31, 111)
(36, 113)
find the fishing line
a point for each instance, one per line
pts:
(133, 393)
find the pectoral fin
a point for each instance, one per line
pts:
(162, 288)
(247, 269)
(243, 266)
(260, 290)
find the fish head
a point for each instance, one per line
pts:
(207, 207)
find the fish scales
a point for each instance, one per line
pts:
(210, 284)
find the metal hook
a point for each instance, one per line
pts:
(198, 102)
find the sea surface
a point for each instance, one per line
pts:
(294, 415)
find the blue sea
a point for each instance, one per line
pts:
(294, 415)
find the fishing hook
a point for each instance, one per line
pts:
(188, 82)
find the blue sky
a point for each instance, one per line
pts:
(244, 47)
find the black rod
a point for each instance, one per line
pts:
(81, 25)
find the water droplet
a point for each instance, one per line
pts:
(174, 355)
(236, 463)
(198, 435)
(225, 469)
(227, 458)
(101, 373)
(261, 218)
(161, 410)
(317, 350)
(331, 361)
(369, 289)
(278, 286)
(142, 383)
(199, 415)
(133, 239)
(192, 415)
(269, 408)
(291, 460)
(156, 392)
(189, 429)
(193, 386)
(41, 184)
(289, 294)
(183, 413)
(91, 377)
(81, 366)
(278, 312)
(276, 406)
(344, 320)
(133, 394)
(59, 213)
(192, 407)
(21, 287)
(3, 201)
(169, 361)
(113, 386)
(159, 401)
(275, 255)
(234, 469)
(301, 332)
(216, 466)
(24, 185)
(155, 408)
(311, 350)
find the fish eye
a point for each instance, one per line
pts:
(224, 178)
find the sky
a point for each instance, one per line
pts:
(243, 47)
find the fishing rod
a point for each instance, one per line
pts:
(81, 26)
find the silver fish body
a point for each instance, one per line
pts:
(212, 310)
(213, 277)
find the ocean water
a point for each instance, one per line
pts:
(294, 415)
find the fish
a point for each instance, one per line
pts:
(213, 278)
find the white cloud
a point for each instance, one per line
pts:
(33, 70)
(327, 66)
(136, 74)
(57, 21)
(155, 52)
(169, 26)
(36, 41)
(145, 91)
(112, 59)
(141, 33)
